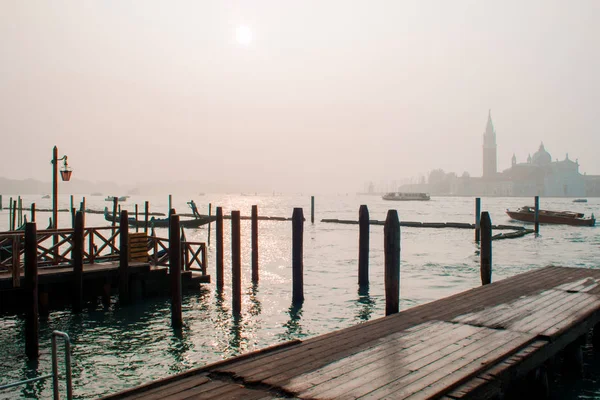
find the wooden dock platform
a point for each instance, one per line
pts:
(474, 344)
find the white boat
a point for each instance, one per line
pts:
(404, 196)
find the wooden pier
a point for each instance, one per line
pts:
(475, 344)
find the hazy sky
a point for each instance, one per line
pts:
(327, 94)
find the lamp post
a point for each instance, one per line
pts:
(65, 174)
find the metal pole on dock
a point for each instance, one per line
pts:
(312, 209)
(175, 270)
(137, 228)
(32, 212)
(486, 249)
(123, 258)
(209, 215)
(236, 263)
(537, 215)
(363, 245)
(391, 246)
(219, 232)
(78, 232)
(146, 211)
(31, 283)
(254, 227)
(297, 256)
(477, 218)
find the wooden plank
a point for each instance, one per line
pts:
(162, 392)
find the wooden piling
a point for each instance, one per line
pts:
(236, 263)
(312, 209)
(170, 203)
(297, 256)
(137, 229)
(391, 241)
(123, 258)
(146, 211)
(77, 260)
(209, 215)
(486, 248)
(477, 218)
(537, 214)
(32, 212)
(14, 216)
(31, 282)
(114, 219)
(175, 270)
(254, 227)
(73, 217)
(363, 245)
(1, 204)
(20, 205)
(219, 255)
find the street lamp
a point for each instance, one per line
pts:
(65, 174)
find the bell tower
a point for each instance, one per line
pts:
(489, 149)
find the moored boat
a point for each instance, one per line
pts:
(580, 201)
(405, 196)
(527, 214)
(112, 198)
(162, 222)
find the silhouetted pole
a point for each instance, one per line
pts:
(254, 224)
(124, 258)
(175, 270)
(31, 283)
(114, 219)
(219, 232)
(146, 211)
(55, 191)
(537, 215)
(236, 263)
(486, 248)
(312, 209)
(391, 241)
(477, 218)
(209, 215)
(32, 212)
(14, 216)
(137, 227)
(20, 205)
(77, 260)
(1, 204)
(297, 256)
(170, 202)
(363, 245)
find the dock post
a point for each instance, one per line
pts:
(72, 205)
(391, 241)
(20, 205)
(537, 215)
(297, 256)
(77, 256)
(170, 202)
(312, 209)
(10, 202)
(146, 211)
(31, 279)
(32, 212)
(209, 215)
(72, 217)
(114, 220)
(1, 204)
(219, 232)
(175, 270)
(254, 244)
(477, 218)
(236, 263)
(363, 245)
(486, 249)
(123, 258)
(14, 216)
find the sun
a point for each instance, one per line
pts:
(243, 35)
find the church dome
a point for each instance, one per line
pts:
(541, 157)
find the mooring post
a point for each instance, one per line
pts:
(14, 216)
(10, 202)
(363, 245)
(486, 248)
(137, 227)
(1, 204)
(391, 241)
(236, 263)
(114, 220)
(209, 216)
(477, 218)
(219, 255)
(31, 282)
(73, 217)
(254, 244)
(297, 256)
(312, 209)
(20, 205)
(170, 202)
(175, 270)
(77, 259)
(123, 258)
(537, 215)
(146, 211)
(32, 212)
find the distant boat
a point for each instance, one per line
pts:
(163, 222)
(580, 201)
(96, 194)
(112, 198)
(46, 196)
(527, 214)
(405, 196)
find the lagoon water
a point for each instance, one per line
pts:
(121, 347)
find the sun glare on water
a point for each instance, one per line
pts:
(243, 35)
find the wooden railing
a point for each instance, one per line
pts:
(194, 254)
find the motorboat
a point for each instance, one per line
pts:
(527, 214)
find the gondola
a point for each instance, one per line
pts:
(162, 222)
